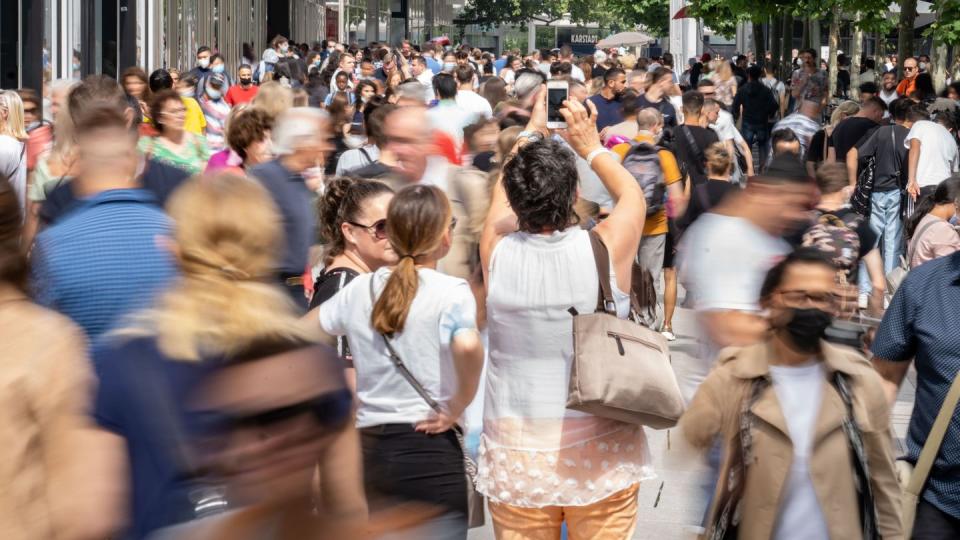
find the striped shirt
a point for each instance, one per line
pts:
(921, 324)
(802, 126)
(102, 261)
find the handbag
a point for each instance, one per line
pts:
(896, 276)
(620, 370)
(913, 477)
(860, 200)
(475, 499)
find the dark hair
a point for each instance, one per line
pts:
(705, 82)
(13, 262)
(342, 201)
(832, 177)
(246, 128)
(358, 89)
(947, 192)
(156, 106)
(874, 103)
(417, 218)
(202, 49)
(955, 85)
(141, 75)
(630, 104)
(445, 86)
(494, 90)
(471, 130)
(541, 184)
(803, 255)
(160, 79)
(899, 108)
(692, 101)
(661, 73)
(28, 95)
(464, 73)
(374, 117)
(560, 69)
(869, 63)
(811, 52)
(916, 112)
(782, 136)
(869, 87)
(754, 73)
(923, 87)
(612, 74)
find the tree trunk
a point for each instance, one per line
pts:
(775, 42)
(786, 57)
(856, 51)
(938, 59)
(805, 35)
(908, 14)
(834, 45)
(815, 36)
(759, 43)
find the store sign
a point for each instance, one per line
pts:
(581, 40)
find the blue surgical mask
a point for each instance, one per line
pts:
(449, 66)
(213, 94)
(217, 68)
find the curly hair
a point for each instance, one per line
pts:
(247, 127)
(342, 202)
(541, 184)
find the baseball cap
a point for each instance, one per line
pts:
(216, 80)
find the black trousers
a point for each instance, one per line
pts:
(401, 464)
(933, 524)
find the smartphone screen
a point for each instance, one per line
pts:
(555, 99)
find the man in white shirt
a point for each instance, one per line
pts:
(467, 99)
(888, 88)
(932, 155)
(447, 116)
(722, 123)
(566, 55)
(422, 72)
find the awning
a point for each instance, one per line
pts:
(625, 39)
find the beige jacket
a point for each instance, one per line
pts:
(715, 410)
(45, 387)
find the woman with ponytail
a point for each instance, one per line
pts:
(428, 321)
(929, 232)
(192, 368)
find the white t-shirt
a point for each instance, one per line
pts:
(938, 152)
(443, 308)
(13, 167)
(473, 102)
(576, 73)
(723, 262)
(426, 79)
(799, 390)
(356, 158)
(726, 128)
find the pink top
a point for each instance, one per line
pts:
(224, 159)
(933, 241)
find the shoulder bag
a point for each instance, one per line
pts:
(621, 370)
(896, 276)
(475, 500)
(912, 477)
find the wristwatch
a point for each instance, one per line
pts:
(530, 136)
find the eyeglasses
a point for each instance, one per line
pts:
(909, 68)
(378, 230)
(29, 110)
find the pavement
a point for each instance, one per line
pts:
(673, 504)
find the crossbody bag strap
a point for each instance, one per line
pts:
(698, 153)
(401, 367)
(934, 439)
(861, 467)
(601, 257)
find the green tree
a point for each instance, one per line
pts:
(488, 13)
(652, 15)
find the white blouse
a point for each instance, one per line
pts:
(533, 451)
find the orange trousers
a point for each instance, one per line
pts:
(613, 518)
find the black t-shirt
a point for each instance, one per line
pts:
(816, 152)
(691, 157)
(705, 196)
(666, 108)
(850, 132)
(890, 154)
(157, 177)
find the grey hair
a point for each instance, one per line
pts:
(294, 126)
(526, 84)
(63, 84)
(648, 118)
(414, 90)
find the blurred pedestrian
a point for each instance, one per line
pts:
(173, 144)
(13, 145)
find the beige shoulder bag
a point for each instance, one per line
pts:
(913, 477)
(621, 370)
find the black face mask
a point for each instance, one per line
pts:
(246, 82)
(807, 328)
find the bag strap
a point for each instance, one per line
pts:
(934, 439)
(861, 468)
(366, 155)
(698, 153)
(601, 257)
(916, 242)
(401, 367)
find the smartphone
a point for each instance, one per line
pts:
(557, 93)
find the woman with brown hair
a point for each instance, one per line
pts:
(136, 85)
(248, 141)
(411, 313)
(341, 116)
(174, 145)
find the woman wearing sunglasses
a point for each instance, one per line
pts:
(191, 370)
(411, 313)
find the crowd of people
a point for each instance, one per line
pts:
(260, 303)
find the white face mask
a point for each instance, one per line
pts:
(284, 48)
(213, 94)
(449, 66)
(923, 66)
(203, 63)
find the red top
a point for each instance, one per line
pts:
(237, 94)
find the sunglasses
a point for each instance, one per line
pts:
(330, 411)
(378, 230)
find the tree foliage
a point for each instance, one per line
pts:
(652, 15)
(946, 25)
(621, 14)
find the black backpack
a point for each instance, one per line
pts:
(643, 162)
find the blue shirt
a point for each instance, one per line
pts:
(153, 422)
(921, 324)
(102, 260)
(295, 202)
(434, 66)
(609, 111)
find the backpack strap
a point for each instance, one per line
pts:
(601, 257)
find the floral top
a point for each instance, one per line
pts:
(725, 91)
(192, 160)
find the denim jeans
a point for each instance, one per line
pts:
(886, 223)
(759, 134)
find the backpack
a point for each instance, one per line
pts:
(643, 162)
(838, 239)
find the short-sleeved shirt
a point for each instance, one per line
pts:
(328, 284)
(803, 127)
(193, 160)
(295, 202)
(886, 146)
(666, 109)
(194, 121)
(813, 86)
(443, 307)
(657, 223)
(938, 152)
(849, 132)
(609, 111)
(237, 94)
(933, 238)
(920, 324)
(692, 157)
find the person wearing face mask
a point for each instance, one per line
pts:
(202, 69)
(194, 122)
(218, 66)
(215, 110)
(805, 423)
(449, 63)
(244, 91)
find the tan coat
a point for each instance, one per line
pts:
(46, 382)
(715, 410)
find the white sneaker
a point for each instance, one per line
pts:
(863, 301)
(669, 335)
